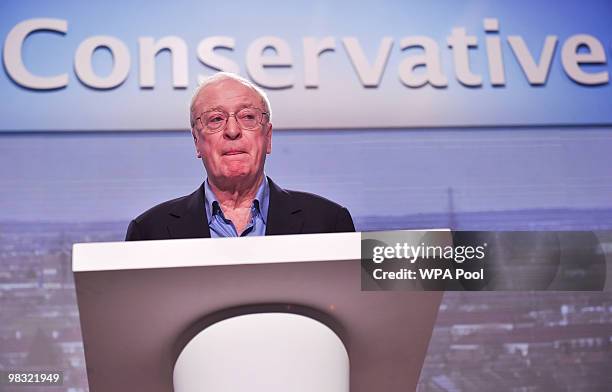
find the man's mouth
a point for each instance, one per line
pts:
(233, 152)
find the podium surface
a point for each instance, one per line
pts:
(140, 303)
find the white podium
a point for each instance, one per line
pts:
(279, 313)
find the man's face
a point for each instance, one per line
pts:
(231, 155)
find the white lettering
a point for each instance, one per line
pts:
(84, 69)
(257, 61)
(571, 59)
(369, 75)
(377, 254)
(461, 44)
(13, 59)
(267, 59)
(536, 74)
(208, 57)
(149, 50)
(430, 59)
(312, 50)
(494, 53)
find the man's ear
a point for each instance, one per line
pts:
(195, 142)
(269, 137)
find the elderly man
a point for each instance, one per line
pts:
(232, 133)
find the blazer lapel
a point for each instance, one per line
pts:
(190, 217)
(284, 216)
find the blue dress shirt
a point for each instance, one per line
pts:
(220, 226)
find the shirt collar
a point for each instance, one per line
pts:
(261, 201)
(263, 198)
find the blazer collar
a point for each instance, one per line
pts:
(284, 215)
(190, 217)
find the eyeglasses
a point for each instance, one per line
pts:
(248, 119)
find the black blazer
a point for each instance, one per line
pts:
(289, 212)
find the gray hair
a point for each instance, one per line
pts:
(220, 76)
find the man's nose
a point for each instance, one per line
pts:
(232, 129)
